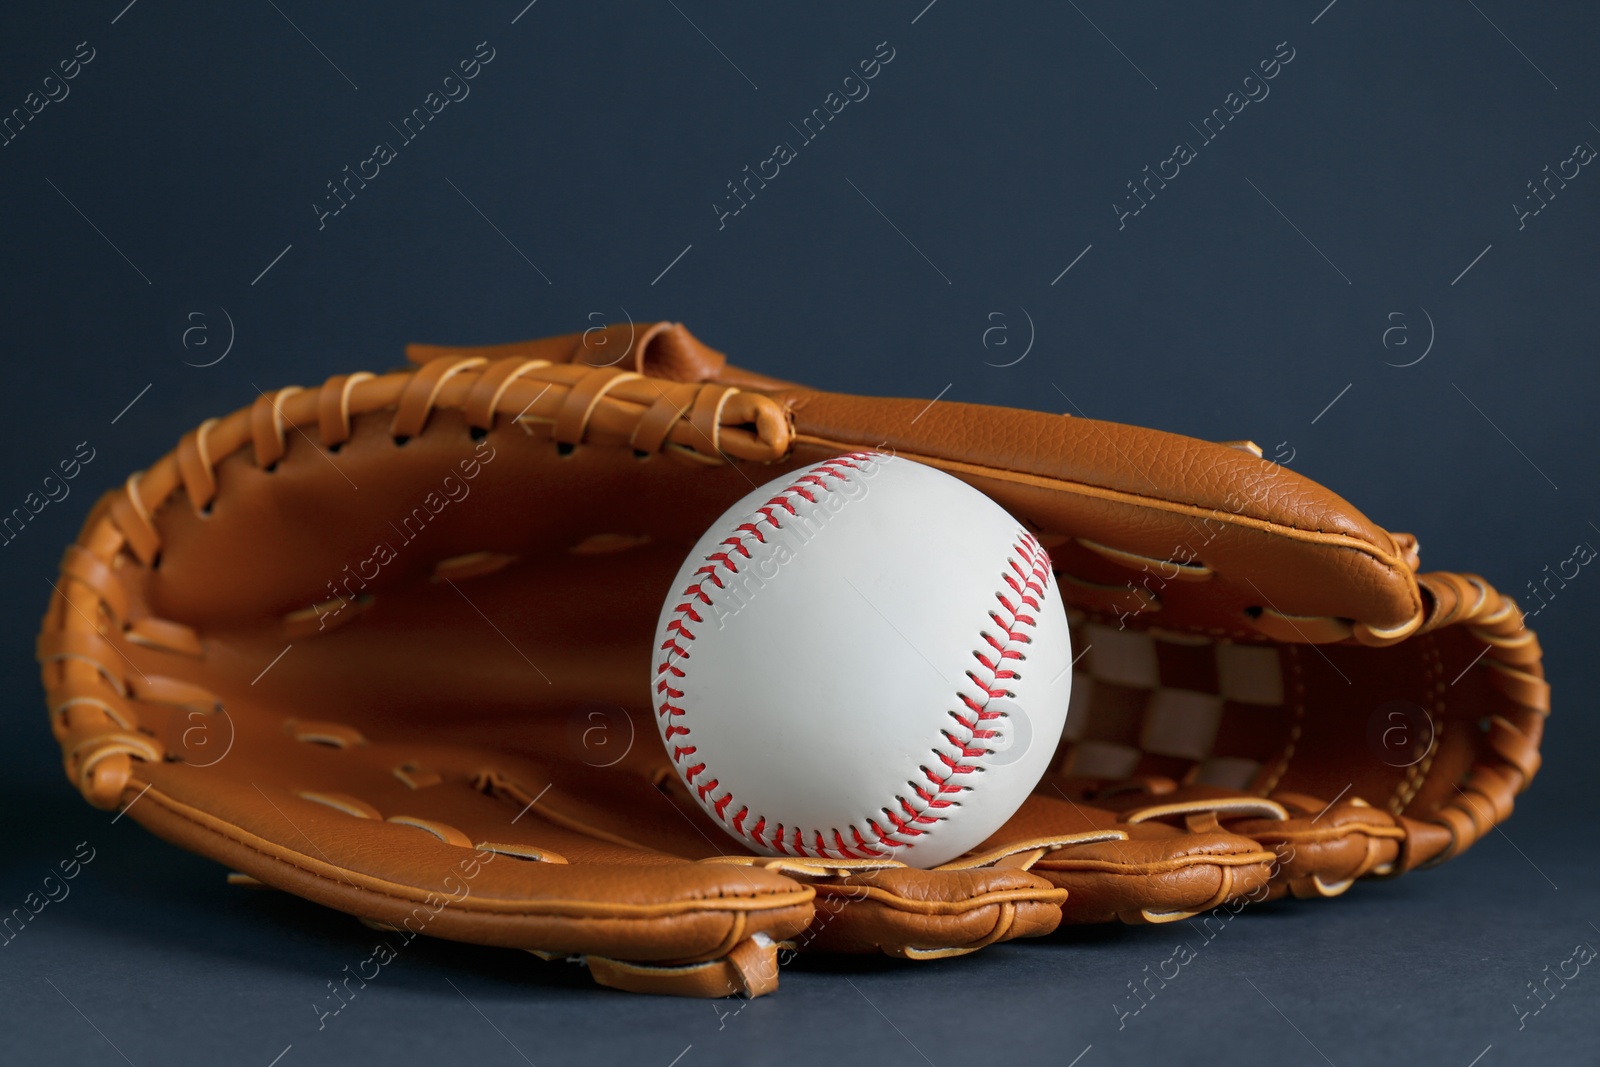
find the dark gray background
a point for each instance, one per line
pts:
(906, 251)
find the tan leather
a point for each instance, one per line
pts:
(404, 733)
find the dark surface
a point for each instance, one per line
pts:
(597, 142)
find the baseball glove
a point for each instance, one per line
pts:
(385, 644)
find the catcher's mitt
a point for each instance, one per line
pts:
(385, 644)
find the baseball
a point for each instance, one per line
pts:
(864, 659)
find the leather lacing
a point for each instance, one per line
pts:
(1511, 665)
(1127, 599)
(91, 695)
(91, 684)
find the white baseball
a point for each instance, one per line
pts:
(864, 659)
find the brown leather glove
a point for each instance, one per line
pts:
(386, 643)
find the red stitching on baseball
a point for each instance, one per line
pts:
(1029, 564)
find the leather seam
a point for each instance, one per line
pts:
(908, 823)
(802, 894)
